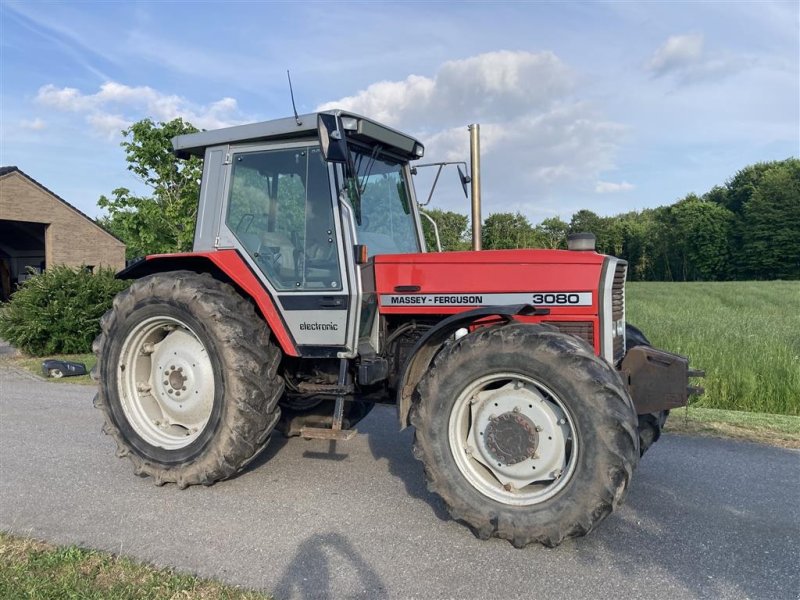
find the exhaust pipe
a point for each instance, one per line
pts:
(475, 174)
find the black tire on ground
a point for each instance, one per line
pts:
(651, 424)
(243, 408)
(603, 449)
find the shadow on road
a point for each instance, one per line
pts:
(274, 446)
(386, 442)
(310, 572)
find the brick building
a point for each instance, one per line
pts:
(39, 229)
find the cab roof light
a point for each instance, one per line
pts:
(350, 123)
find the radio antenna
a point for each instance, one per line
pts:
(291, 93)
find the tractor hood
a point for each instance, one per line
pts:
(566, 282)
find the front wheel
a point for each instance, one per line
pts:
(525, 434)
(187, 378)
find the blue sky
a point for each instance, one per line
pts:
(606, 106)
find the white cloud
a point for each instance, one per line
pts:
(107, 125)
(36, 124)
(677, 53)
(115, 106)
(685, 58)
(535, 137)
(610, 187)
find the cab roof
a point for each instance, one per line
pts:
(286, 129)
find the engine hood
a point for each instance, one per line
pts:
(565, 281)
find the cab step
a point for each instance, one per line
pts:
(335, 432)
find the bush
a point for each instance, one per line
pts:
(58, 311)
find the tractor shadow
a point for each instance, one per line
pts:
(393, 446)
(321, 557)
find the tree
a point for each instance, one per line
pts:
(453, 230)
(552, 233)
(165, 220)
(771, 240)
(507, 231)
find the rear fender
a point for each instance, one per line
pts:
(227, 266)
(431, 342)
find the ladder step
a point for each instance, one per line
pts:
(323, 433)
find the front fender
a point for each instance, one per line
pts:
(429, 344)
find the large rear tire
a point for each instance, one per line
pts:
(187, 378)
(650, 424)
(525, 434)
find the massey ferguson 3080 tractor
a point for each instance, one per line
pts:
(309, 297)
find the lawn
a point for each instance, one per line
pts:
(37, 570)
(745, 335)
(34, 365)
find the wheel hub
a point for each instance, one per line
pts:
(167, 383)
(511, 438)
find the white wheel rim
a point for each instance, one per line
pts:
(513, 439)
(165, 383)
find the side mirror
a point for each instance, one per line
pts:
(465, 179)
(331, 138)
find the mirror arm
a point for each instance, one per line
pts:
(435, 228)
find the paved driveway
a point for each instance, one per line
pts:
(704, 519)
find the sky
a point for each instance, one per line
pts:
(607, 106)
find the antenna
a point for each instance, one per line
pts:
(291, 93)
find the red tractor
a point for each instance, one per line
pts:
(309, 297)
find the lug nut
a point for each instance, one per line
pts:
(180, 369)
(169, 391)
(166, 382)
(177, 393)
(183, 388)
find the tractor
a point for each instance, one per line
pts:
(309, 297)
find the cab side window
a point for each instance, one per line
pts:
(281, 212)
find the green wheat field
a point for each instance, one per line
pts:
(745, 335)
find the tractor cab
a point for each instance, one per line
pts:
(305, 200)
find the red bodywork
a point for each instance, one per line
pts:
(448, 273)
(230, 263)
(492, 271)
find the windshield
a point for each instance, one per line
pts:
(384, 219)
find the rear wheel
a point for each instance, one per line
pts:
(187, 378)
(650, 424)
(525, 434)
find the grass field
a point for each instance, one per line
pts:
(745, 335)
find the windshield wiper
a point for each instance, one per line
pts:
(368, 170)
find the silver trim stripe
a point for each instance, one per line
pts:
(475, 299)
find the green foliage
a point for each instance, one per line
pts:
(745, 335)
(164, 221)
(771, 238)
(747, 229)
(551, 233)
(58, 311)
(507, 231)
(454, 232)
(36, 570)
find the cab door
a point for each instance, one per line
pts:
(280, 214)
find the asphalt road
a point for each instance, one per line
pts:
(704, 518)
